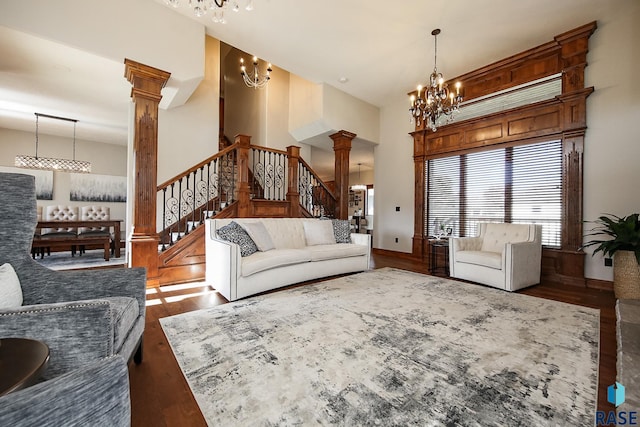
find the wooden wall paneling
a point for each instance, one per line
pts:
(270, 208)
(562, 117)
(572, 174)
(184, 262)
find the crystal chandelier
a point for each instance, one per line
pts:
(47, 163)
(255, 79)
(437, 104)
(217, 7)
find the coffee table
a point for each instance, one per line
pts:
(22, 361)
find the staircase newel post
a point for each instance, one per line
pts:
(244, 189)
(147, 83)
(342, 147)
(293, 190)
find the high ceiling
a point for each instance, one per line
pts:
(380, 49)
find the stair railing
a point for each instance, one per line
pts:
(315, 196)
(202, 191)
(207, 188)
(269, 170)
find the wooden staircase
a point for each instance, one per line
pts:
(240, 181)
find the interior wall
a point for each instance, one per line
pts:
(365, 177)
(277, 113)
(243, 106)
(394, 179)
(189, 134)
(345, 112)
(612, 148)
(106, 159)
(611, 172)
(305, 100)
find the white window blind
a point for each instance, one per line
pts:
(443, 194)
(520, 184)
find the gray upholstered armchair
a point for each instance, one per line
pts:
(93, 395)
(82, 316)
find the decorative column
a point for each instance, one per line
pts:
(147, 84)
(293, 190)
(342, 147)
(244, 189)
(418, 244)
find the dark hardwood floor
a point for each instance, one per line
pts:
(160, 395)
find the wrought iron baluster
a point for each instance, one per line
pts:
(233, 175)
(164, 217)
(206, 212)
(172, 211)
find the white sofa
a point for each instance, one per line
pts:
(505, 256)
(291, 261)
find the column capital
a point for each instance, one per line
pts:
(147, 81)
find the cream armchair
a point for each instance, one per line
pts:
(505, 256)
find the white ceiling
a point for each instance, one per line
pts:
(382, 48)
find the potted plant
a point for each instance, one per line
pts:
(623, 245)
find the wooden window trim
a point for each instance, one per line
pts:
(563, 117)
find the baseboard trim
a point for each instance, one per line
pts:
(396, 254)
(604, 285)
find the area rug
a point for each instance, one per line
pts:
(90, 259)
(390, 347)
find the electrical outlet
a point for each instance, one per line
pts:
(608, 262)
(396, 240)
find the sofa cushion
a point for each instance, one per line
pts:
(124, 311)
(319, 233)
(338, 250)
(286, 234)
(259, 234)
(484, 258)
(10, 289)
(233, 233)
(261, 261)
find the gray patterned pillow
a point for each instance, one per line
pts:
(341, 230)
(233, 233)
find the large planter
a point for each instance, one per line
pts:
(626, 275)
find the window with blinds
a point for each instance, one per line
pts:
(521, 184)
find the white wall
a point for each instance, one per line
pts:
(106, 159)
(277, 118)
(394, 182)
(612, 147)
(342, 111)
(317, 110)
(365, 177)
(189, 134)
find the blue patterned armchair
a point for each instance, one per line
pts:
(83, 316)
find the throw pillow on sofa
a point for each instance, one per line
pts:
(233, 233)
(341, 230)
(318, 233)
(10, 290)
(259, 234)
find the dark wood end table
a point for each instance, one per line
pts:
(437, 245)
(22, 361)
